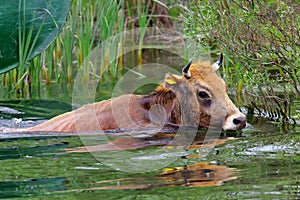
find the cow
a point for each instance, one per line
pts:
(198, 97)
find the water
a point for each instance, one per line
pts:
(260, 162)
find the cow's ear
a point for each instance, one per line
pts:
(172, 80)
(218, 64)
(185, 71)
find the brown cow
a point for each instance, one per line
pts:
(197, 98)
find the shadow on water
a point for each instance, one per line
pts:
(53, 146)
(259, 162)
(32, 187)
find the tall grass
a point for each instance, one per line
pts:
(18, 80)
(88, 23)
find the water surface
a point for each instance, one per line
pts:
(260, 162)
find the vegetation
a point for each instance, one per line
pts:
(88, 23)
(59, 62)
(261, 41)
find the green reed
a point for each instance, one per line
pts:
(17, 81)
(88, 23)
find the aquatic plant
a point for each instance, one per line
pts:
(65, 55)
(261, 41)
(88, 24)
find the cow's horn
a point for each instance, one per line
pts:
(185, 70)
(218, 64)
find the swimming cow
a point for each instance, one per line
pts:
(196, 98)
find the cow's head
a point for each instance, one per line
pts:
(210, 92)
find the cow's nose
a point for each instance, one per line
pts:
(235, 122)
(240, 122)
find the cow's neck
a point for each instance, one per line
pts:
(167, 99)
(180, 109)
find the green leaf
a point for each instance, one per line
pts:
(28, 27)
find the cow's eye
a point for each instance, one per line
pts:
(203, 95)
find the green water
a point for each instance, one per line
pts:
(264, 158)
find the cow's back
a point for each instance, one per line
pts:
(115, 113)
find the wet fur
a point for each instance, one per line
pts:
(180, 103)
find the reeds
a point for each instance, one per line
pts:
(259, 38)
(89, 22)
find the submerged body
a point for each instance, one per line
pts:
(197, 98)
